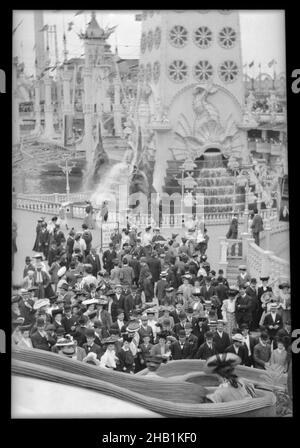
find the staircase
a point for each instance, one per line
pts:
(232, 270)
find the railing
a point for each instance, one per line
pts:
(235, 249)
(55, 197)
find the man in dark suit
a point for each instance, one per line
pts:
(199, 329)
(249, 342)
(90, 345)
(145, 329)
(94, 260)
(262, 352)
(273, 322)
(221, 290)
(207, 291)
(119, 323)
(108, 256)
(69, 321)
(80, 331)
(191, 338)
(243, 307)
(238, 348)
(39, 338)
(207, 349)
(260, 291)
(257, 226)
(221, 338)
(181, 349)
(154, 266)
(251, 292)
(181, 324)
(118, 301)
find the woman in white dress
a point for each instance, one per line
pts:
(25, 341)
(228, 311)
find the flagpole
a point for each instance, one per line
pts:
(259, 77)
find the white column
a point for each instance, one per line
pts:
(37, 106)
(49, 129)
(67, 107)
(117, 109)
(223, 263)
(161, 157)
(88, 141)
(268, 229)
(15, 108)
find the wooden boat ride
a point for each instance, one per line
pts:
(48, 385)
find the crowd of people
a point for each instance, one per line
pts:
(146, 299)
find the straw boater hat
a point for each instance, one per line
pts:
(90, 302)
(40, 303)
(133, 326)
(284, 285)
(112, 339)
(242, 267)
(61, 271)
(222, 360)
(237, 337)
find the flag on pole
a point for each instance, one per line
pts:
(271, 63)
(251, 64)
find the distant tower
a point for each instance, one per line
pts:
(49, 127)
(96, 82)
(191, 91)
(39, 41)
(67, 108)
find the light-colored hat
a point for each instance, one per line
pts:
(237, 337)
(90, 302)
(61, 271)
(40, 303)
(242, 267)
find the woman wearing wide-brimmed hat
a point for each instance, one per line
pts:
(232, 387)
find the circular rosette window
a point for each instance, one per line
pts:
(227, 37)
(178, 71)
(178, 36)
(228, 71)
(203, 37)
(203, 71)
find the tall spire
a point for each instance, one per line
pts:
(65, 47)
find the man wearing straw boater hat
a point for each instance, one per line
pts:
(273, 321)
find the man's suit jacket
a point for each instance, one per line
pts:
(93, 348)
(244, 308)
(79, 335)
(254, 301)
(221, 343)
(95, 262)
(242, 352)
(40, 342)
(242, 280)
(116, 304)
(205, 352)
(148, 331)
(155, 268)
(249, 359)
(187, 352)
(222, 292)
(268, 321)
(105, 318)
(261, 291)
(177, 327)
(207, 293)
(69, 322)
(261, 354)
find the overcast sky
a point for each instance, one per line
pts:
(262, 34)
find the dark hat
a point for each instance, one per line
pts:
(58, 311)
(92, 315)
(213, 272)
(216, 362)
(182, 315)
(253, 280)
(264, 279)
(134, 288)
(27, 258)
(190, 310)
(244, 327)
(90, 333)
(242, 286)
(60, 331)
(284, 285)
(166, 322)
(120, 311)
(110, 293)
(64, 286)
(83, 320)
(162, 335)
(181, 333)
(232, 292)
(183, 239)
(154, 359)
(53, 298)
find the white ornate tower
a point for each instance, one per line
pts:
(191, 89)
(96, 71)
